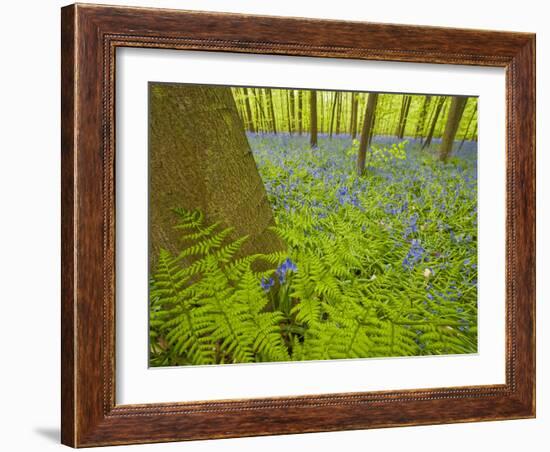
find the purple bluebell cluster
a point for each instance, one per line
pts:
(415, 255)
(267, 283)
(345, 196)
(284, 268)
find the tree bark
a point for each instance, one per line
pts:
(366, 131)
(199, 158)
(437, 111)
(474, 111)
(332, 115)
(422, 116)
(271, 110)
(458, 103)
(405, 105)
(262, 120)
(353, 125)
(286, 99)
(248, 111)
(338, 114)
(292, 110)
(300, 111)
(313, 118)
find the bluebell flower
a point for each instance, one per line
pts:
(267, 283)
(415, 254)
(284, 268)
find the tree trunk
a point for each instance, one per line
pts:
(313, 117)
(321, 118)
(458, 103)
(438, 107)
(338, 114)
(260, 109)
(332, 115)
(474, 111)
(248, 111)
(199, 158)
(292, 110)
(300, 111)
(366, 131)
(405, 105)
(271, 110)
(353, 125)
(286, 99)
(422, 116)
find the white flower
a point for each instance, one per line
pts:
(427, 273)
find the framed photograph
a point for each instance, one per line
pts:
(281, 225)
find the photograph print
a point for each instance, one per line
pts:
(299, 224)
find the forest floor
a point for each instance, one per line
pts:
(380, 264)
(408, 227)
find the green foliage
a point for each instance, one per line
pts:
(380, 156)
(355, 284)
(207, 306)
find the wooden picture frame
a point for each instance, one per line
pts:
(90, 36)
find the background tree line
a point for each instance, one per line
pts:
(359, 115)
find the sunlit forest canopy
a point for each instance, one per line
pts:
(274, 110)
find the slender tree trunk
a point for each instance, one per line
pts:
(388, 107)
(400, 117)
(286, 107)
(259, 108)
(474, 111)
(248, 111)
(458, 103)
(338, 113)
(292, 109)
(239, 102)
(200, 159)
(366, 131)
(405, 105)
(322, 120)
(353, 125)
(313, 118)
(437, 111)
(422, 116)
(440, 128)
(332, 115)
(271, 110)
(300, 111)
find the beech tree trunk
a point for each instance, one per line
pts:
(248, 111)
(292, 110)
(458, 103)
(474, 111)
(366, 131)
(262, 120)
(271, 110)
(422, 116)
(313, 118)
(402, 123)
(333, 115)
(338, 114)
(300, 111)
(353, 125)
(199, 158)
(433, 123)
